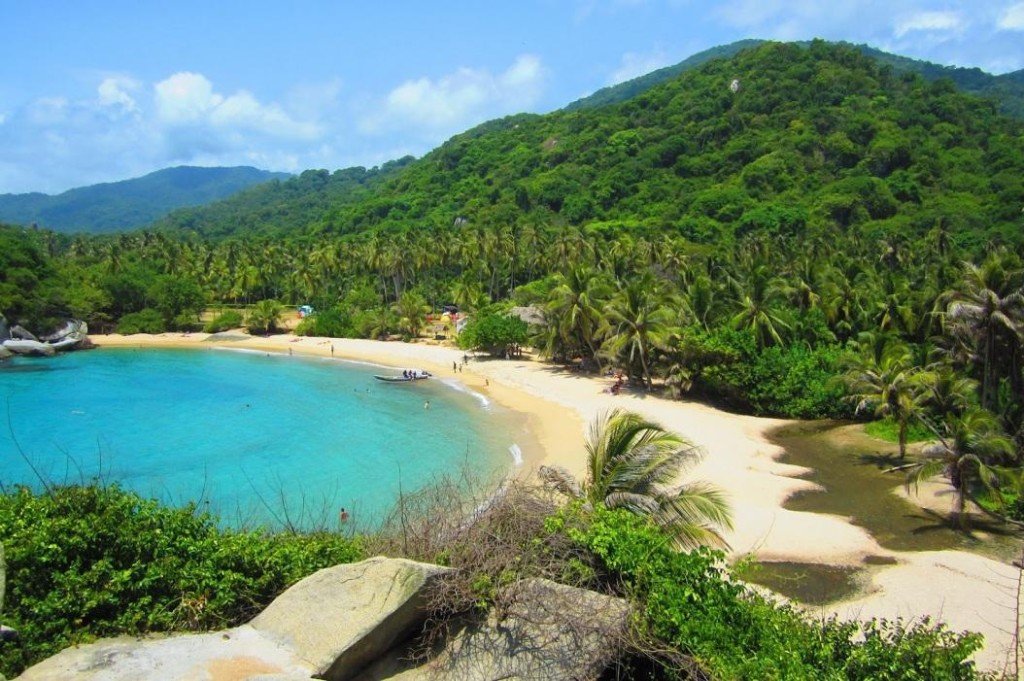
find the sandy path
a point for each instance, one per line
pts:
(964, 590)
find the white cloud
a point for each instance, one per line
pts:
(633, 65)
(1013, 18)
(459, 98)
(928, 21)
(113, 91)
(187, 98)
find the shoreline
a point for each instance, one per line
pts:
(739, 458)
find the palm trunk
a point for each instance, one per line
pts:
(903, 438)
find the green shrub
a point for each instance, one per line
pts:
(144, 321)
(888, 430)
(332, 323)
(689, 602)
(229, 319)
(87, 562)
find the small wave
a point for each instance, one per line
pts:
(461, 387)
(517, 454)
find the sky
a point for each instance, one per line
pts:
(103, 91)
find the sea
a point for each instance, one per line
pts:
(260, 440)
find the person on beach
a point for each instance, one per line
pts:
(454, 367)
(426, 405)
(332, 349)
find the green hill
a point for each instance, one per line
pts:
(118, 206)
(1007, 89)
(282, 206)
(818, 136)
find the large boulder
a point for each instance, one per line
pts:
(240, 653)
(328, 626)
(362, 610)
(545, 631)
(21, 333)
(5, 353)
(31, 348)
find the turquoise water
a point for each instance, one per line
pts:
(258, 439)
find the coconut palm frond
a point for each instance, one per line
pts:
(560, 480)
(641, 504)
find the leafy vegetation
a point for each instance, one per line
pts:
(690, 603)
(87, 562)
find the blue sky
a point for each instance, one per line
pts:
(101, 91)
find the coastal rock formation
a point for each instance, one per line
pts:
(21, 333)
(550, 631)
(20, 341)
(327, 626)
(364, 609)
(32, 348)
(353, 622)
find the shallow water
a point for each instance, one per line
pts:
(259, 439)
(849, 465)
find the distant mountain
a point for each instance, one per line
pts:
(1007, 89)
(119, 206)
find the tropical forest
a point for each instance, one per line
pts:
(787, 230)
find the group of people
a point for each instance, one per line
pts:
(620, 380)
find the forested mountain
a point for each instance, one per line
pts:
(816, 138)
(117, 206)
(1007, 89)
(285, 206)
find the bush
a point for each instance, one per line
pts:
(332, 323)
(229, 319)
(144, 321)
(497, 334)
(690, 603)
(87, 562)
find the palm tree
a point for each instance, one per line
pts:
(638, 320)
(891, 386)
(574, 309)
(986, 319)
(265, 316)
(635, 464)
(968, 452)
(412, 310)
(756, 297)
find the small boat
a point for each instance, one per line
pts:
(407, 375)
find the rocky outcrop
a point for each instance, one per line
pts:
(328, 626)
(30, 348)
(21, 333)
(354, 622)
(549, 631)
(17, 340)
(363, 610)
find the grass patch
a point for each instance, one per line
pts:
(889, 430)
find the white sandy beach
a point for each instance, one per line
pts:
(964, 590)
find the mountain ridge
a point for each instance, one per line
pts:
(131, 203)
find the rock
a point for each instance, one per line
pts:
(5, 353)
(73, 328)
(363, 609)
(550, 631)
(240, 653)
(5, 330)
(28, 347)
(21, 333)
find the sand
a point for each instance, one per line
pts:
(966, 591)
